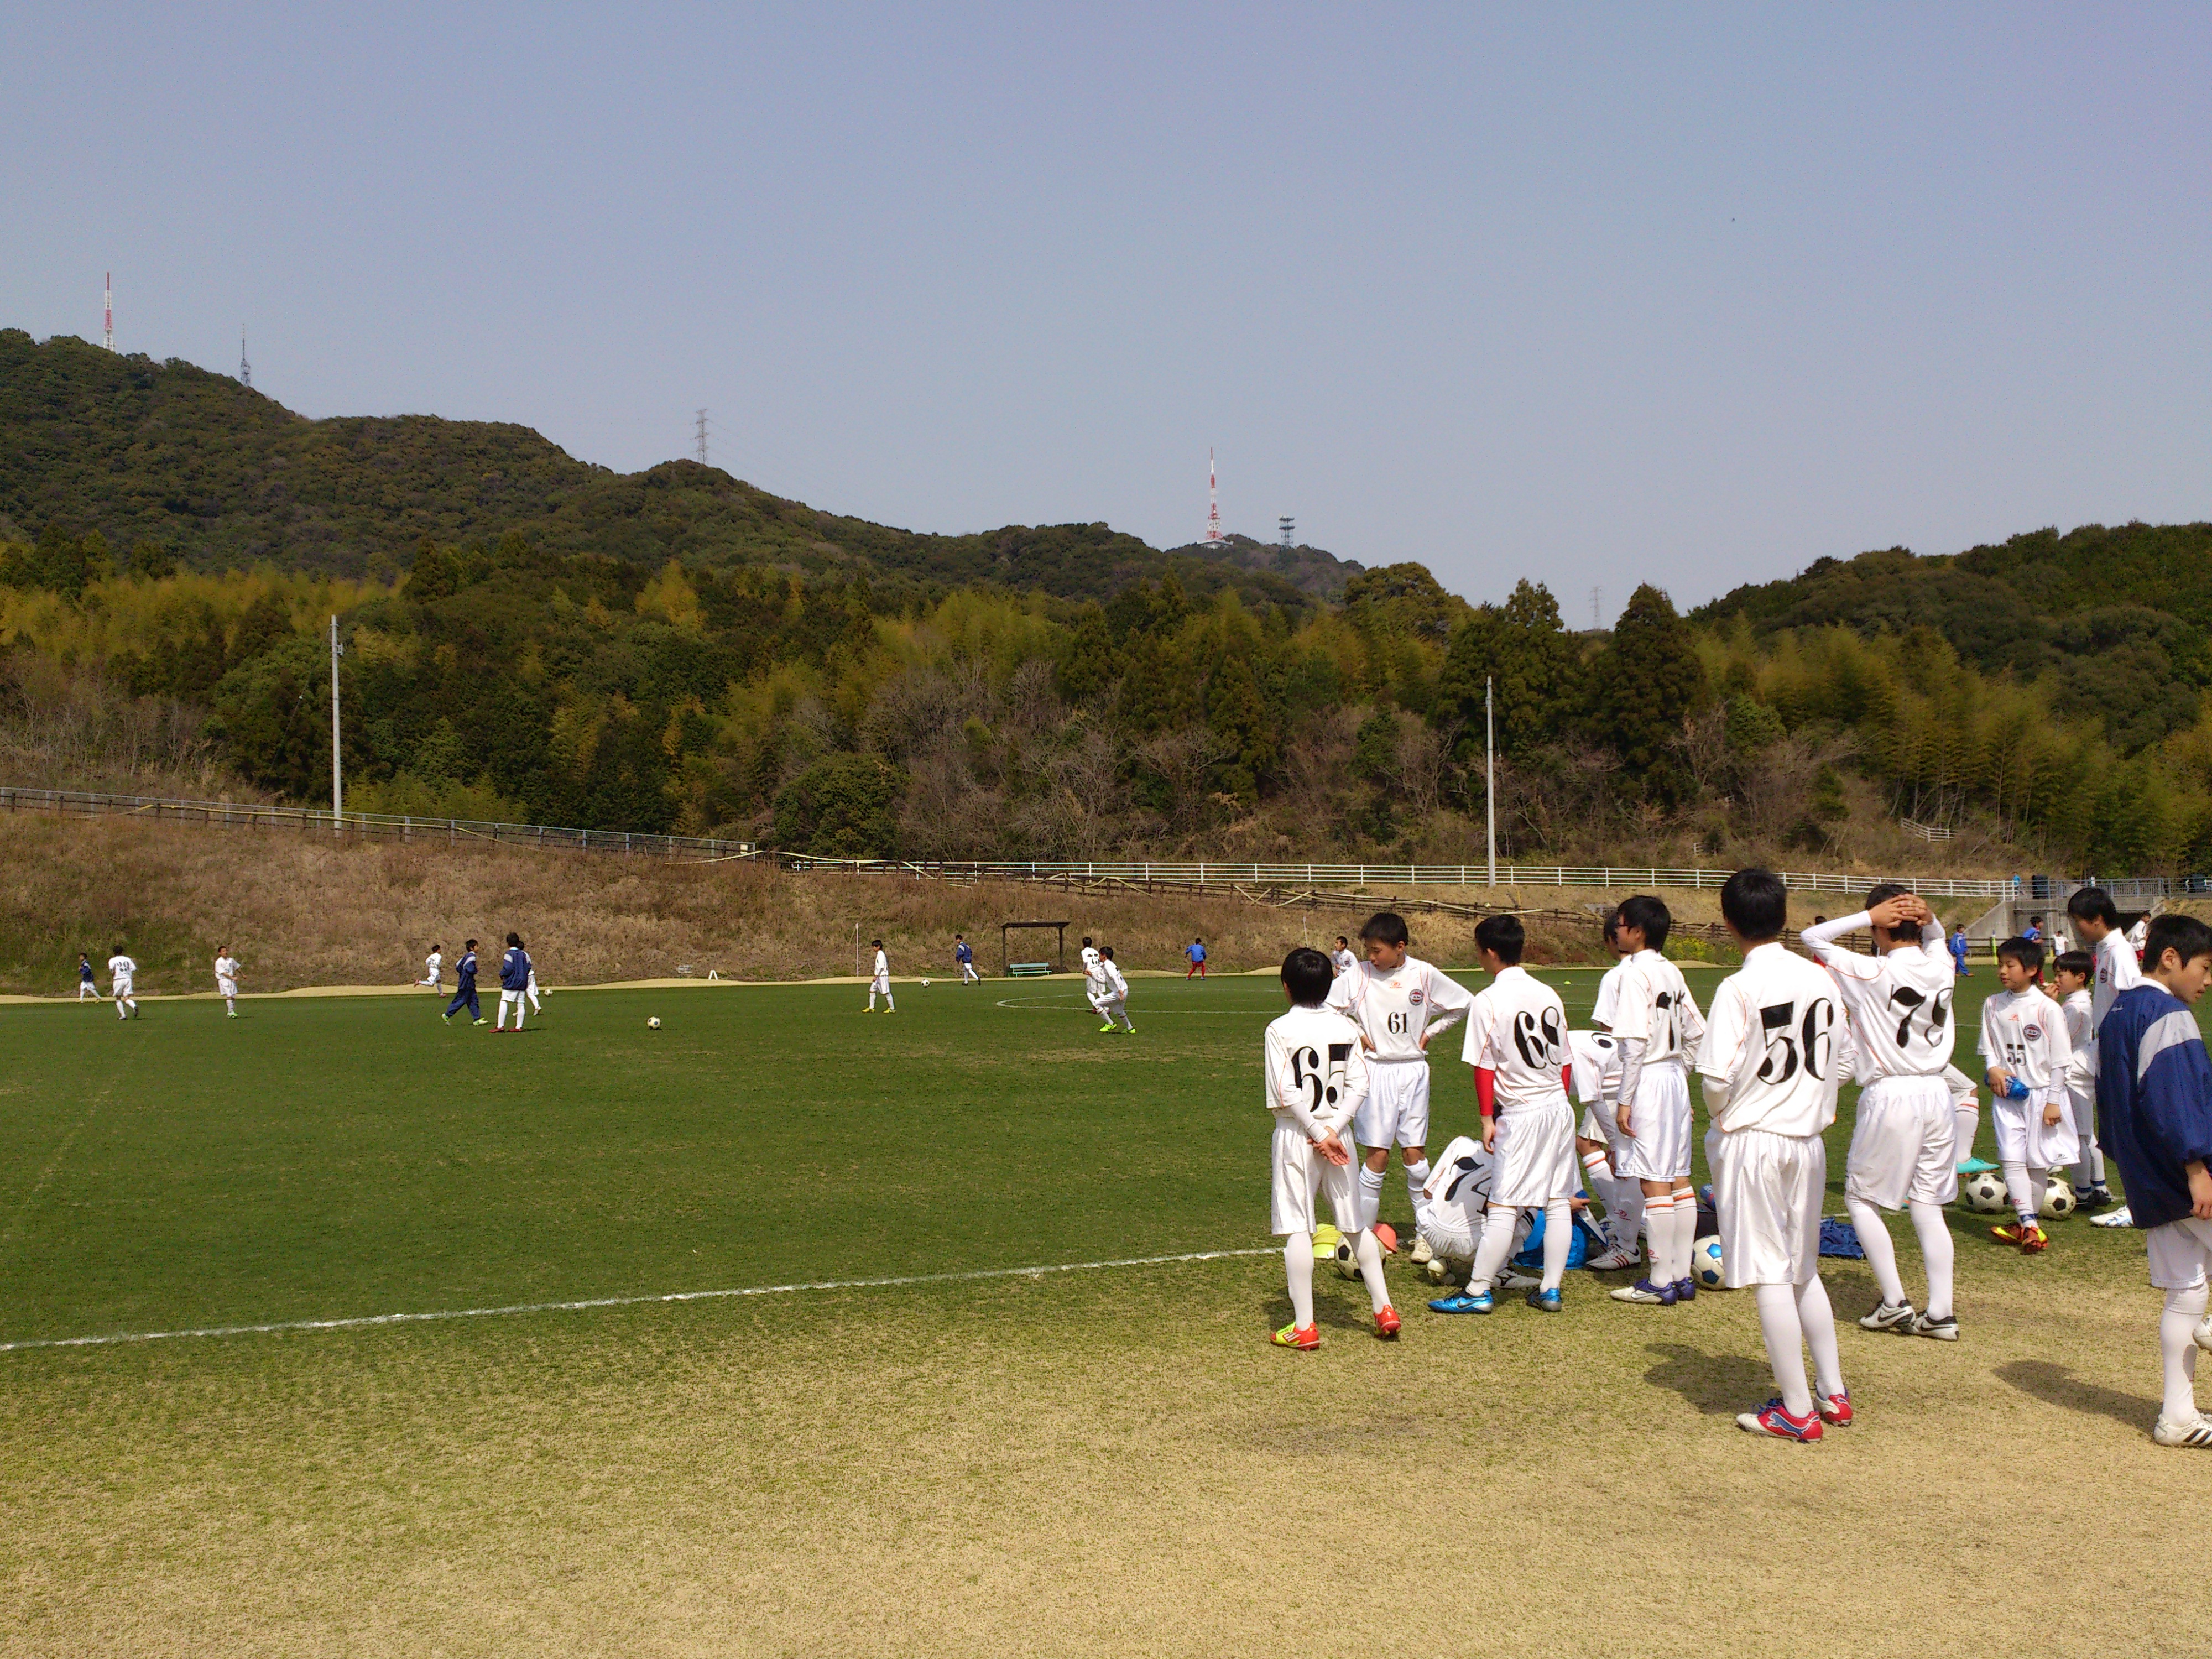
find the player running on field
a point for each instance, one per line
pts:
(1316, 1079)
(2025, 1041)
(965, 955)
(1094, 981)
(881, 984)
(1904, 1153)
(1195, 950)
(1658, 1028)
(227, 970)
(86, 985)
(1115, 1004)
(121, 971)
(434, 966)
(513, 983)
(2097, 921)
(1772, 1053)
(1398, 1002)
(1516, 1042)
(465, 992)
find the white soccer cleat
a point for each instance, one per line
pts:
(2120, 1218)
(1888, 1317)
(1510, 1277)
(2192, 1430)
(1421, 1255)
(1614, 1260)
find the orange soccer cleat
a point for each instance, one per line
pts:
(1386, 1324)
(1304, 1338)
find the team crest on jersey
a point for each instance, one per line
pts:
(1414, 997)
(2033, 1033)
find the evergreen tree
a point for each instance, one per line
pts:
(1535, 669)
(1648, 681)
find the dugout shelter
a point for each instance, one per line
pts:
(1012, 970)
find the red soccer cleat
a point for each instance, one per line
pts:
(1386, 1324)
(2034, 1241)
(1304, 1338)
(2010, 1233)
(1772, 1420)
(1835, 1409)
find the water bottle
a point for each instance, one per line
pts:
(2016, 1089)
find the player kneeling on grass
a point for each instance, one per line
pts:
(2154, 1109)
(2025, 1041)
(1316, 1079)
(1773, 1049)
(1516, 1042)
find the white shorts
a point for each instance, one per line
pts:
(2024, 1138)
(226, 988)
(1660, 1148)
(1448, 1239)
(120, 990)
(1905, 1144)
(1598, 1124)
(1396, 1109)
(1768, 1189)
(2180, 1252)
(1536, 1160)
(1300, 1171)
(881, 985)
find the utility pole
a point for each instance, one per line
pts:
(245, 368)
(1490, 769)
(107, 314)
(337, 764)
(700, 425)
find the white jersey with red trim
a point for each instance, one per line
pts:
(1518, 1029)
(1393, 1007)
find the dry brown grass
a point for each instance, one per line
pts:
(1107, 1465)
(300, 910)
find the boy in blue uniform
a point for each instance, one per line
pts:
(2154, 1112)
(965, 954)
(86, 986)
(513, 982)
(1196, 951)
(466, 997)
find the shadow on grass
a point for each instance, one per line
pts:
(1717, 1384)
(2057, 1385)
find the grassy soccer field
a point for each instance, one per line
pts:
(1102, 1459)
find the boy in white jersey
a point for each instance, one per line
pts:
(1598, 1142)
(1115, 1005)
(1905, 1141)
(1516, 1042)
(2073, 970)
(1316, 1079)
(227, 968)
(1769, 1063)
(2097, 921)
(120, 971)
(1457, 1193)
(1658, 1028)
(1394, 998)
(2025, 1042)
(880, 986)
(1341, 958)
(433, 966)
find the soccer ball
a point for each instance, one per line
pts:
(925, 985)
(1705, 1264)
(1347, 1259)
(1985, 1193)
(1437, 1269)
(1326, 1239)
(2057, 1198)
(652, 1024)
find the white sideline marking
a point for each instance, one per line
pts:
(364, 1321)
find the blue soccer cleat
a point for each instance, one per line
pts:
(1644, 1292)
(1685, 1290)
(1465, 1302)
(1544, 1301)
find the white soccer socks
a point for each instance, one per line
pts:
(1496, 1245)
(1659, 1228)
(1817, 1320)
(1686, 1232)
(1297, 1268)
(1559, 1234)
(2089, 1171)
(2177, 1343)
(1965, 1121)
(1368, 1253)
(1785, 1335)
(2024, 1187)
(1880, 1249)
(1417, 1177)
(1370, 1196)
(1938, 1253)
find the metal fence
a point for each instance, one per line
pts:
(1201, 874)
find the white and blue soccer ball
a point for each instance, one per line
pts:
(1705, 1264)
(652, 1024)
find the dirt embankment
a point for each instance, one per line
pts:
(300, 911)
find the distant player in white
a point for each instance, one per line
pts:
(1316, 1079)
(1115, 1004)
(120, 972)
(434, 966)
(1599, 1143)
(531, 989)
(1658, 1028)
(86, 986)
(1398, 1002)
(2025, 1042)
(2073, 971)
(1341, 958)
(2097, 921)
(226, 969)
(880, 986)
(1769, 1063)
(2136, 935)
(1516, 1042)
(1905, 1141)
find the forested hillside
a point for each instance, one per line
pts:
(836, 687)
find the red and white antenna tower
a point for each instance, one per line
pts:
(1213, 502)
(108, 322)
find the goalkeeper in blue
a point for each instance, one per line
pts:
(2154, 1114)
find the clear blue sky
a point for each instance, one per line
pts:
(1595, 295)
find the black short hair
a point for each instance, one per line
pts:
(2079, 964)
(1342, 940)
(1756, 902)
(1106, 951)
(1306, 976)
(1502, 936)
(2186, 937)
(1611, 926)
(1086, 939)
(1385, 927)
(960, 936)
(515, 940)
(1649, 916)
(1902, 933)
(2028, 952)
(879, 944)
(2093, 904)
